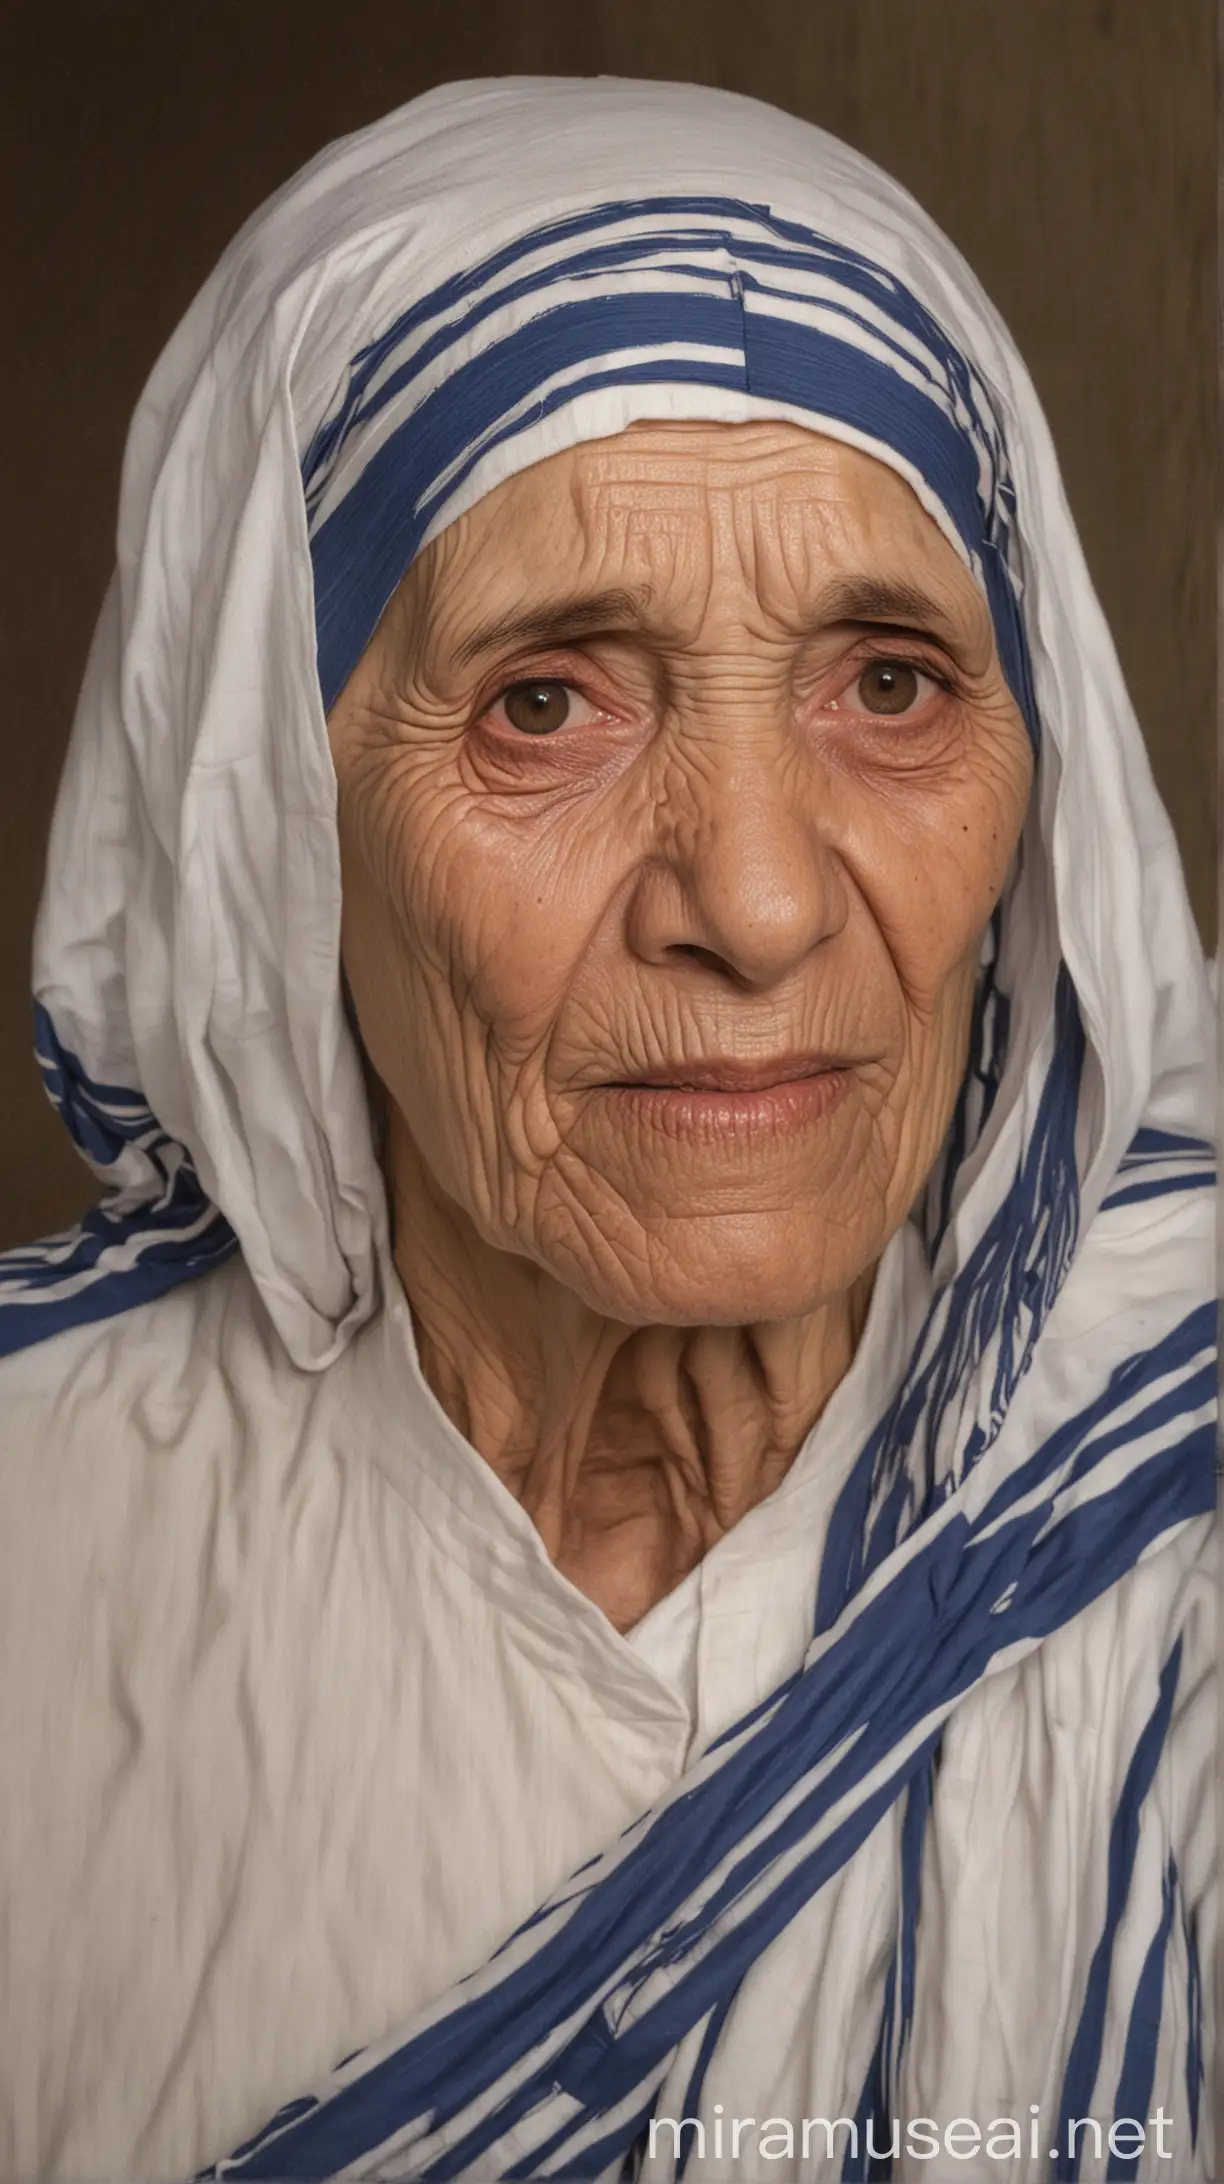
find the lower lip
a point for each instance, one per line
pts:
(776, 1110)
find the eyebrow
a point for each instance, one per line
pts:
(885, 599)
(562, 621)
(863, 599)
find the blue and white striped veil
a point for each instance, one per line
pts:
(492, 274)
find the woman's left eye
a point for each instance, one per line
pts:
(539, 708)
(887, 688)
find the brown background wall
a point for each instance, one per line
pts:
(1067, 146)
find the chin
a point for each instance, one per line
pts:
(727, 1281)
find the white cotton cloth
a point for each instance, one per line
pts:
(305, 1722)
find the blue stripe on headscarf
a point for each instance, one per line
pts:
(796, 247)
(117, 1256)
(362, 547)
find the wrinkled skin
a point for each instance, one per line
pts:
(737, 837)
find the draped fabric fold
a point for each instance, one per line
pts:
(545, 2062)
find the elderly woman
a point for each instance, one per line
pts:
(605, 1536)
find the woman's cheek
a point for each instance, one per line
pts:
(930, 897)
(502, 924)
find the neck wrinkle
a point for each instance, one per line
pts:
(634, 1450)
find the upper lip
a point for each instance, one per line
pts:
(734, 1076)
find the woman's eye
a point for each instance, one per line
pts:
(539, 708)
(888, 687)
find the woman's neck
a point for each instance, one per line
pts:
(632, 1449)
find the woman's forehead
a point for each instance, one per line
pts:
(707, 456)
(767, 503)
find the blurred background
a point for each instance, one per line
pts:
(1067, 146)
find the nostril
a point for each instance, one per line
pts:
(722, 964)
(709, 956)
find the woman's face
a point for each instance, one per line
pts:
(684, 759)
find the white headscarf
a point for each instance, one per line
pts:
(494, 273)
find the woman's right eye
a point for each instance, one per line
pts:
(540, 708)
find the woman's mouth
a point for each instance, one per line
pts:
(725, 1100)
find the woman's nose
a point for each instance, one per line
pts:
(742, 877)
